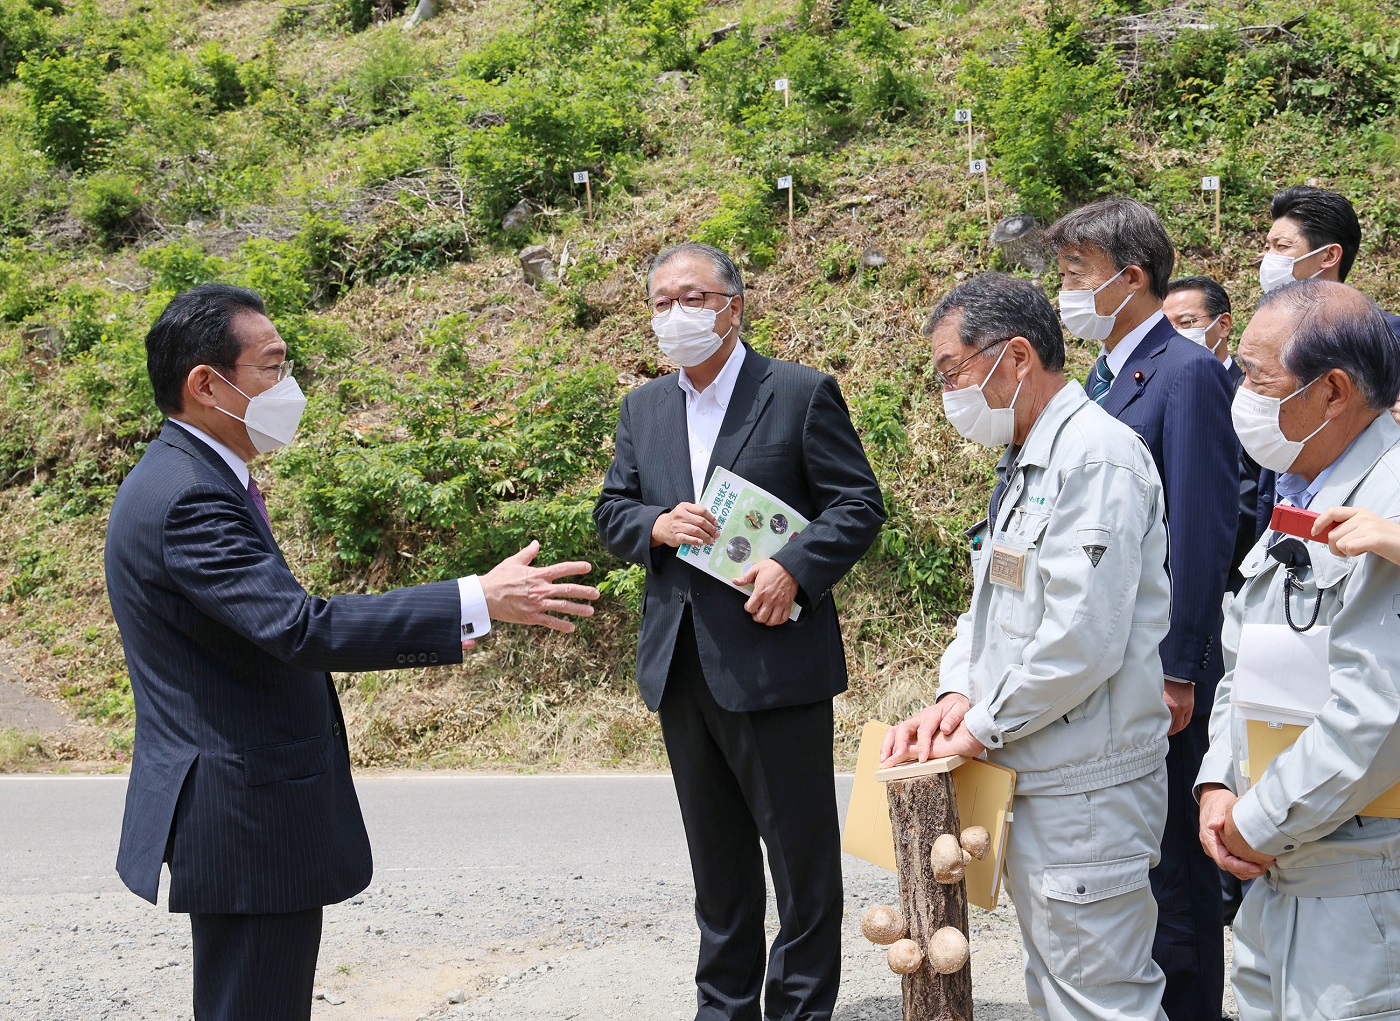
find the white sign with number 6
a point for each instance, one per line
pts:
(1210, 184)
(962, 116)
(580, 177)
(785, 182)
(977, 167)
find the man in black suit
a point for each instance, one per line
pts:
(1200, 310)
(240, 776)
(1115, 262)
(744, 693)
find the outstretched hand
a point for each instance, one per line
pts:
(520, 593)
(1356, 530)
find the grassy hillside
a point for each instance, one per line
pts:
(358, 175)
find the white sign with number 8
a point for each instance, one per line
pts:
(580, 177)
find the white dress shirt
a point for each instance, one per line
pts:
(476, 621)
(1118, 357)
(704, 414)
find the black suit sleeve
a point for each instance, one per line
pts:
(1200, 457)
(623, 520)
(218, 560)
(843, 488)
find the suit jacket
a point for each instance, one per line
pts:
(1176, 395)
(240, 775)
(787, 430)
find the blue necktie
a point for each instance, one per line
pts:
(1100, 380)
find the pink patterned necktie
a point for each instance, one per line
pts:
(258, 502)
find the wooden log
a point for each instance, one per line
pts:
(922, 808)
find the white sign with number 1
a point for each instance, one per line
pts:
(1210, 184)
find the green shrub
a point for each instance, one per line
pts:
(180, 264)
(278, 271)
(405, 245)
(392, 67)
(1052, 120)
(23, 32)
(359, 15)
(65, 98)
(110, 204)
(743, 225)
(223, 84)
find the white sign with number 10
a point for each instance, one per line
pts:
(962, 116)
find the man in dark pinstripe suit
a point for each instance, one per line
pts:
(744, 693)
(240, 776)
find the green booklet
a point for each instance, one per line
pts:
(753, 525)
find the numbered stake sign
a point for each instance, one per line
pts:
(1210, 184)
(781, 85)
(785, 182)
(977, 166)
(963, 116)
(580, 177)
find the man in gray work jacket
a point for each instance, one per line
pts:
(1054, 670)
(1319, 935)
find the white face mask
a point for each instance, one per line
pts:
(1080, 312)
(1197, 334)
(687, 336)
(1256, 423)
(1277, 270)
(969, 413)
(272, 417)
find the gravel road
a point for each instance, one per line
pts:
(517, 897)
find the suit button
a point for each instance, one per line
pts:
(336, 730)
(422, 657)
(432, 657)
(400, 658)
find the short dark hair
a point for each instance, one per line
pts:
(1126, 231)
(194, 329)
(1337, 327)
(1216, 301)
(1324, 217)
(995, 307)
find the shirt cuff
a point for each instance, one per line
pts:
(1179, 680)
(979, 724)
(1258, 830)
(476, 622)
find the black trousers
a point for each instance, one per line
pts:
(255, 967)
(1190, 942)
(742, 777)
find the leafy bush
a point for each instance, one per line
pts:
(110, 204)
(23, 31)
(1052, 120)
(69, 109)
(179, 265)
(404, 246)
(744, 223)
(392, 68)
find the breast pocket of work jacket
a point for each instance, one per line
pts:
(1018, 596)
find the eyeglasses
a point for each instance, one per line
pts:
(948, 380)
(660, 304)
(283, 369)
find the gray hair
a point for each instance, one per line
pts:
(1338, 327)
(997, 307)
(723, 265)
(1126, 231)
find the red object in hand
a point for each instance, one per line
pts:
(1296, 521)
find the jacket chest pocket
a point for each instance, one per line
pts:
(1013, 574)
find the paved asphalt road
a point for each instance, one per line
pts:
(527, 897)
